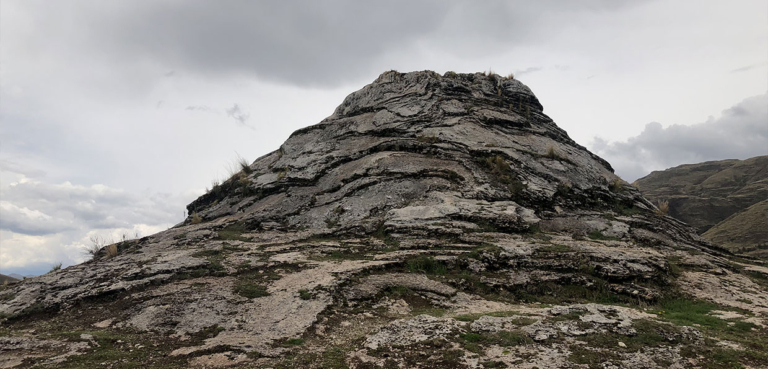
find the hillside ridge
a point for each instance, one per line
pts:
(706, 195)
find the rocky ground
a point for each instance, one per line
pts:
(430, 222)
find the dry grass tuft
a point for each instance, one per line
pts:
(196, 218)
(428, 139)
(553, 153)
(244, 166)
(663, 206)
(618, 185)
(112, 250)
(54, 268)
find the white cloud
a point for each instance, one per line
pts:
(740, 132)
(43, 224)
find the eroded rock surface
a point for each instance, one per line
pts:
(432, 221)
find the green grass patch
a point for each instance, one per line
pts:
(555, 248)
(108, 350)
(626, 209)
(494, 364)
(433, 311)
(214, 266)
(558, 294)
(296, 360)
(419, 305)
(502, 174)
(207, 253)
(482, 251)
(232, 248)
(711, 357)
(294, 341)
(597, 235)
(305, 295)
(591, 357)
(428, 139)
(757, 277)
(233, 232)
(250, 290)
(674, 268)
(127, 349)
(344, 254)
(573, 315)
(426, 265)
(499, 314)
(385, 236)
(334, 358)
(474, 342)
(649, 334)
(472, 283)
(697, 313)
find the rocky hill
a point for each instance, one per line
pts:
(704, 195)
(430, 222)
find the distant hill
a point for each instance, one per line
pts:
(19, 276)
(706, 194)
(745, 231)
(5, 278)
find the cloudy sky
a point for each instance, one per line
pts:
(114, 115)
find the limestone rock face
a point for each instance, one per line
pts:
(432, 221)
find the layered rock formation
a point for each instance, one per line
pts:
(432, 221)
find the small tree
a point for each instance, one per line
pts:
(97, 242)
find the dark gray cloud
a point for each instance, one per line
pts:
(740, 132)
(316, 43)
